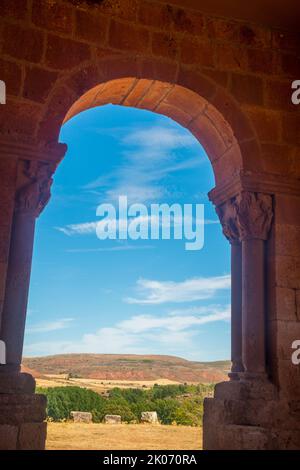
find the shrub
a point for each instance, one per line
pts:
(62, 400)
(180, 404)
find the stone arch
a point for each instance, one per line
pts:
(192, 99)
(215, 118)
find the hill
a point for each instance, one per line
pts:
(127, 367)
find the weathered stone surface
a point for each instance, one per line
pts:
(81, 417)
(149, 417)
(8, 437)
(234, 437)
(16, 383)
(288, 271)
(285, 308)
(19, 408)
(246, 390)
(286, 332)
(32, 436)
(112, 419)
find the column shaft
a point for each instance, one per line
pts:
(236, 310)
(17, 286)
(253, 321)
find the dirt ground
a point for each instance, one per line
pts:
(77, 436)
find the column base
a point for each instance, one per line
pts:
(237, 368)
(254, 376)
(242, 437)
(22, 413)
(233, 376)
(22, 422)
(249, 415)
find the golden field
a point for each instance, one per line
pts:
(81, 436)
(100, 386)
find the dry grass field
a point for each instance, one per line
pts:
(98, 385)
(77, 436)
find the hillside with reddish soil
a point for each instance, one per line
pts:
(128, 367)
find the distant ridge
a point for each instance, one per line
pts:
(128, 367)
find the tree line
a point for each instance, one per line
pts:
(174, 404)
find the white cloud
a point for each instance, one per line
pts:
(47, 327)
(140, 334)
(196, 310)
(158, 292)
(143, 323)
(148, 156)
(89, 228)
(165, 138)
(85, 228)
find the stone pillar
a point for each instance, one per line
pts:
(227, 215)
(254, 216)
(18, 276)
(33, 193)
(22, 412)
(236, 310)
(245, 413)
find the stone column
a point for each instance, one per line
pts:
(227, 215)
(33, 193)
(236, 310)
(254, 216)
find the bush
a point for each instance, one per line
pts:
(62, 400)
(180, 404)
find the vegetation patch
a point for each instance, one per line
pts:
(174, 404)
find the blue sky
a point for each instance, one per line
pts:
(127, 296)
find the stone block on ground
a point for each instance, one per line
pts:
(112, 419)
(149, 417)
(81, 416)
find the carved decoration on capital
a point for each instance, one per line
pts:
(254, 215)
(33, 186)
(246, 216)
(227, 215)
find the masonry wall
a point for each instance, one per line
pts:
(284, 315)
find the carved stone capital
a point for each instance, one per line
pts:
(227, 215)
(246, 216)
(33, 186)
(254, 215)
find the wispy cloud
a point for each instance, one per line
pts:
(140, 334)
(85, 228)
(149, 155)
(89, 228)
(164, 138)
(158, 292)
(47, 327)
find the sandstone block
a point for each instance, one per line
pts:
(16, 383)
(32, 436)
(8, 437)
(112, 419)
(149, 417)
(81, 417)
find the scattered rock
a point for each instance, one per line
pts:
(81, 417)
(112, 419)
(149, 417)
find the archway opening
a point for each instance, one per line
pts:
(168, 291)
